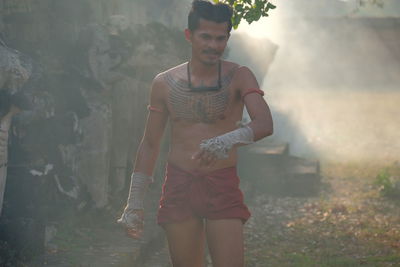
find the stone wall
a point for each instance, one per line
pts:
(91, 63)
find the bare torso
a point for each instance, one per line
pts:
(195, 116)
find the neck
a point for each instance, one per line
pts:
(198, 68)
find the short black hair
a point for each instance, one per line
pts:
(202, 9)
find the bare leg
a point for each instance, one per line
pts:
(186, 241)
(225, 242)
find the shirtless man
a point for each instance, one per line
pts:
(203, 99)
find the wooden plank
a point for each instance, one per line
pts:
(297, 165)
(270, 149)
(270, 169)
(302, 177)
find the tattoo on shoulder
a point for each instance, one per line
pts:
(206, 107)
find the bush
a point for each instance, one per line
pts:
(388, 182)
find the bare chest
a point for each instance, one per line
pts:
(205, 107)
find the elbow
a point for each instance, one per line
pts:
(262, 131)
(262, 127)
(267, 130)
(269, 126)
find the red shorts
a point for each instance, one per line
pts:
(213, 195)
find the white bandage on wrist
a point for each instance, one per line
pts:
(220, 145)
(139, 184)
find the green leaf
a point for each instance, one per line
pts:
(239, 7)
(249, 10)
(270, 6)
(257, 15)
(236, 21)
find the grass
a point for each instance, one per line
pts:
(350, 224)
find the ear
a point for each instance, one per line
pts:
(188, 35)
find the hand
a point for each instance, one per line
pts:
(133, 222)
(205, 158)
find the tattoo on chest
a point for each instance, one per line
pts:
(206, 107)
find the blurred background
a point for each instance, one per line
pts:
(334, 81)
(74, 80)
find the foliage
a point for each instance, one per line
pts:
(378, 3)
(371, 3)
(386, 183)
(249, 10)
(347, 225)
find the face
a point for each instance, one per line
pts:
(208, 41)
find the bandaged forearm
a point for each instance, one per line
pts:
(139, 184)
(220, 145)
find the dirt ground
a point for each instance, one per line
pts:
(349, 223)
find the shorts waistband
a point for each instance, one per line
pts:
(175, 168)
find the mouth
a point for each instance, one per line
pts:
(211, 52)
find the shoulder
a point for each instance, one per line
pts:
(161, 80)
(244, 78)
(174, 71)
(240, 72)
(244, 72)
(158, 85)
(230, 67)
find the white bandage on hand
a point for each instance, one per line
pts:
(129, 219)
(139, 184)
(220, 145)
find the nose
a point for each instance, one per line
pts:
(213, 44)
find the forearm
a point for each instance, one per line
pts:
(261, 120)
(142, 174)
(261, 128)
(220, 145)
(146, 157)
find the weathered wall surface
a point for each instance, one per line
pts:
(108, 62)
(91, 66)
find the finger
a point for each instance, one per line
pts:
(200, 156)
(213, 161)
(134, 233)
(197, 155)
(208, 158)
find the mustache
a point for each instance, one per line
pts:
(211, 51)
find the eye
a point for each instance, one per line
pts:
(205, 37)
(221, 38)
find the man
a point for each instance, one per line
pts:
(204, 100)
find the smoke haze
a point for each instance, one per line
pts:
(334, 83)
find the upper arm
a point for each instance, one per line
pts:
(157, 117)
(254, 101)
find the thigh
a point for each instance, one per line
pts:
(186, 241)
(225, 242)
